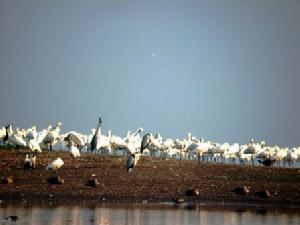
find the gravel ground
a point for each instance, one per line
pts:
(152, 180)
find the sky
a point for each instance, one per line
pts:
(226, 71)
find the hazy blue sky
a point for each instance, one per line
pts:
(223, 70)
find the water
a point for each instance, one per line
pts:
(134, 214)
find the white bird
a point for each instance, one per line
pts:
(74, 151)
(16, 139)
(52, 135)
(117, 142)
(104, 143)
(33, 145)
(2, 134)
(56, 164)
(42, 134)
(31, 133)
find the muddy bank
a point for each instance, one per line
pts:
(152, 180)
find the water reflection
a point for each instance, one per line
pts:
(146, 214)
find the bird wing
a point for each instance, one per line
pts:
(145, 142)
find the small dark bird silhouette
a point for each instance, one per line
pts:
(92, 183)
(130, 162)
(267, 162)
(192, 192)
(145, 142)
(55, 180)
(241, 190)
(12, 218)
(5, 139)
(265, 194)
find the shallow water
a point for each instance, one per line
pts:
(133, 214)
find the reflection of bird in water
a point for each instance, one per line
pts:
(132, 161)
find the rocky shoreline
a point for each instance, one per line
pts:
(152, 180)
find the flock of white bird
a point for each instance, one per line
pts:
(191, 148)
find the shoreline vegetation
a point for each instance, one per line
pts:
(152, 180)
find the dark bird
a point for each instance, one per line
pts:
(265, 194)
(29, 162)
(55, 180)
(74, 140)
(192, 192)
(7, 130)
(145, 142)
(241, 190)
(92, 183)
(132, 161)
(267, 162)
(96, 136)
(12, 218)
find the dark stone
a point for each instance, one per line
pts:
(55, 180)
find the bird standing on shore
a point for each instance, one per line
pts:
(52, 135)
(132, 161)
(96, 136)
(267, 162)
(29, 162)
(75, 140)
(56, 164)
(145, 142)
